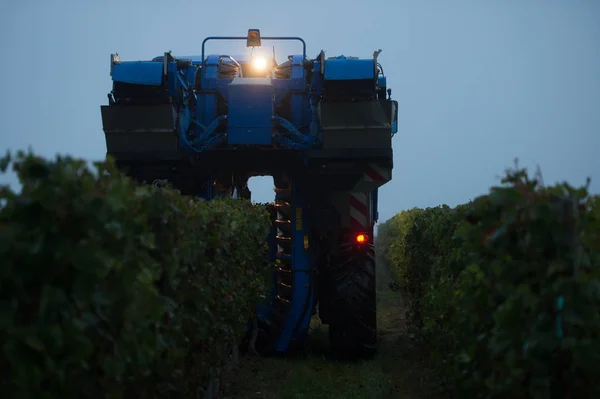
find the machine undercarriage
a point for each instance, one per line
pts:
(321, 127)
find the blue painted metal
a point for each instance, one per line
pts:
(250, 111)
(250, 108)
(138, 72)
(349, 69)
(304, 285)
(216, 109)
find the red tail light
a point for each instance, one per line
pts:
(361, 238)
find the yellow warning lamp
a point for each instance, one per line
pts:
(253, 39)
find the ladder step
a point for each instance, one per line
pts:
(281, 214)
(282, 193)
(284, 227)
(284, 211)
(286, 268)
(285, 290)
(285, 278)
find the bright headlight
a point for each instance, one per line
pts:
(259, 63)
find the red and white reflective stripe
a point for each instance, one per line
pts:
(359, 210)
(374, 172)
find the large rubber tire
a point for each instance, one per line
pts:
(353, 305)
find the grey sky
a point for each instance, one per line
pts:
(479, 82)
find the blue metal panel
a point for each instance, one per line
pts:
(298, 87)
(297, 78)
(304, 285)
(250, 112)
(317, 83)
(299, 108)
(349, 69)
(210, 73)
(191, 75)
(206, 108)
(138, 72)
(223, 88)
(281, 89)
(303, 296)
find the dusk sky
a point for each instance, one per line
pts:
(479, 83)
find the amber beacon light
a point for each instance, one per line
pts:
(253, 39)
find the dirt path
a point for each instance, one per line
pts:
(399, 370)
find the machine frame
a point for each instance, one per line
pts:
(321, 127)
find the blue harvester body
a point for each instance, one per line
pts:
(322, 127)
